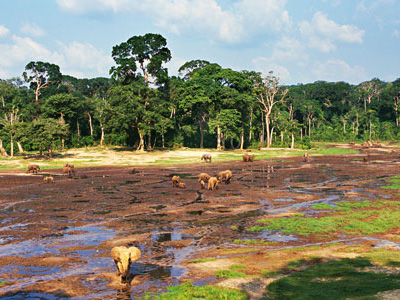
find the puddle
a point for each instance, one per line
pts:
(277, 237)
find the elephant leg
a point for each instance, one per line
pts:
(119, 266)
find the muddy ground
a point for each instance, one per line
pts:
(55, 239)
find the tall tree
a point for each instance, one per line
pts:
(141, 59)
(42, 74)
(269, 91)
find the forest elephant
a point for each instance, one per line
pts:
(68, 171)
(224, 176)
(248, 158)
(206, 157)
(305, 157)
(33, 168)
(48, 179)
(68, 165)
(175, 180)
(204, 176)
(181, 185)
(212, 183)
(123, 257)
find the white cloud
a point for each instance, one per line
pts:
(76, 58)
(236, 24)
(3, 31)
(322, 32)
(32, 30)
(338, 70)
(81, 58)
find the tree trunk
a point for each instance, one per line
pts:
(162, 139)
(201, 135)
(282, 136)
(370, 130)
(3, 151)
(90, 124)
(309, 127)
(357, 124)
(292, 145)
(262, 129)
(140, 147)
(20, 149)
(218, 138)
(272, 134)
(102, 135)
(41, 150)
(251, 126)
(62, 144)
(78, 129)
(242, 139)
(49, 152)
(11, 145)
(149, 146)
(267, 129)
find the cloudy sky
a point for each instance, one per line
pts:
(301, 41)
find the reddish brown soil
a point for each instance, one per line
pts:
(55, 239)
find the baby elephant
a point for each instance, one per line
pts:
(123, 257)
(202, 184)
(225, 176)
(33, 168)
(175, 180)
(305, 157)
(48, 179)
(206, 157)
(68, 165)
(212, 183)
(181, 185)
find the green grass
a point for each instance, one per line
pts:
(342, 279)
(203, 260)
(343, 205)
(394, 183)
(253, 242)
(232, 272)
(353, 221)
(188, 291)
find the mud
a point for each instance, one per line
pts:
(55, 239)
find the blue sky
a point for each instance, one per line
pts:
(301, 41)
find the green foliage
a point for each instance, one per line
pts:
(343, 279)
(376, 219)
(306, 142)
(189, 291)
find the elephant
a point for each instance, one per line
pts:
(68, 171)
(68, 165)
(305, 157)
(182, 185)
(224, 176)
(123, 257)
(248, 158)
(206, 157)
(212, 183)
(48, 179)
(204, 176)
(34, 168)
(175, 180)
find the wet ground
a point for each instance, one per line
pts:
(55, 239)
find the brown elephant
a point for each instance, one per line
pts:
(68, 165)
(123, 257)
(181, 185)
(33, 168)
(248, 158)
(204, 176)
(212, 183)
(206, 157)
(305, 157)
(68, 171)
(175, 180)
(48, 179)
(224, 176)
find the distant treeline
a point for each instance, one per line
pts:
(207, 105)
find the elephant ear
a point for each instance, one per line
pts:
(134, 253)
